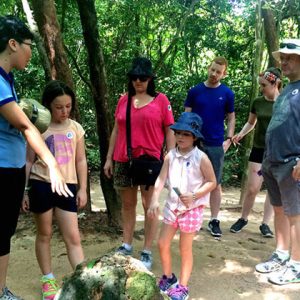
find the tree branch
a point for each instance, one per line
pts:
(78, 69)
(176, 36)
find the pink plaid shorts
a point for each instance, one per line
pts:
(189, 221)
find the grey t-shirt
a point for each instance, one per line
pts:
(283, 133)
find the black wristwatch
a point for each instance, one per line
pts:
(229, 138)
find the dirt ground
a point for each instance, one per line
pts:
(223, 269)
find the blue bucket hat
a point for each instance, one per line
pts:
(189, 121)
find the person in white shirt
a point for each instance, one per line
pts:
(190, 179)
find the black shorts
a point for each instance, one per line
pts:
(41, 197)
(12, 183)
(257, 155)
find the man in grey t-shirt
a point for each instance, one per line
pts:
(281, 170)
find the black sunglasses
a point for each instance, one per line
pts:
(142, 78)
(28, 44)
(289, 46)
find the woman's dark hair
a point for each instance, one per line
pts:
(12, 27)
(199, 143)
(56, 88)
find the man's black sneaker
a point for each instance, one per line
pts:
(238, 225)
(266, 231)
(214, 228)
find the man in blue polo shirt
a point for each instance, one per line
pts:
(213, 101)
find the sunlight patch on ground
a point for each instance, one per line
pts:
(270, 295)
(234, 267)
(245, 295)
(140, 218)
(198, 237)
(98, 202)
(275, 292)
(262, 278)
(231, 197)
(176, 237)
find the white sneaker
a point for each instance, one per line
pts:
(273, 264)
(288, 275)
(8, 295)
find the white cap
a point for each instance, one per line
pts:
(287, 46)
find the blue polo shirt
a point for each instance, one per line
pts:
(212, 105)
(12, 142)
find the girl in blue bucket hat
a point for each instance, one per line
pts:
(190, 179)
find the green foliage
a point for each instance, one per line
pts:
(141, 286)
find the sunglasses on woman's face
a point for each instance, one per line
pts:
(289, 46)
(142, 78)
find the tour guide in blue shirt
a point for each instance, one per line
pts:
(213, 101)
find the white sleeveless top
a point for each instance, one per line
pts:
(184, 172)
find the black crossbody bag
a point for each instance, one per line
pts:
(145, 169)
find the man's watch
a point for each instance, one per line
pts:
(229, 138)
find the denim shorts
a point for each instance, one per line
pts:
(283, 189)
(41, 197)
(216, 156)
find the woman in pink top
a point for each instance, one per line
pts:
(150, 118)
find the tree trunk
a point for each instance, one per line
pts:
(254, 90)
(98, 80)
(45, 16)
(38, 40)
(271, 35)
(46, 19)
